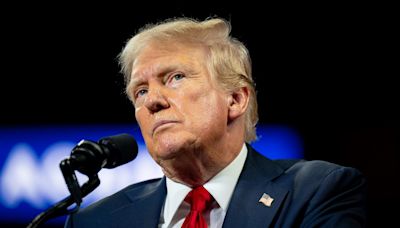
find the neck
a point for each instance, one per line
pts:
(199, 164)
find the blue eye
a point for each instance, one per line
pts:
(178, 76)
(141, 92)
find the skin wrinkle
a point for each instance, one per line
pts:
(201, 136)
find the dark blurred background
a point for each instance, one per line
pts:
(327, 71)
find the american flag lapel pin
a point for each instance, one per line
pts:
(266, 200)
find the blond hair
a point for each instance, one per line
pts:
(228, 59)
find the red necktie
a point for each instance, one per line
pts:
(199, 200)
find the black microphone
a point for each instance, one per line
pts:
(89, 157)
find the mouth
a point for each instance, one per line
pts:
(162, 123)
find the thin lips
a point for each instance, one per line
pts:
(162, 122)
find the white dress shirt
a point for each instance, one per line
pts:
(221, 187)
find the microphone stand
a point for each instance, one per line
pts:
(77, 193)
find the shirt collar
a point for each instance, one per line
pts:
(221, 186)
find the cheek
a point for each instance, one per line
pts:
(138, 115)
(142, 120)
(208, 111)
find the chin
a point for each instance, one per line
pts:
(172, 146)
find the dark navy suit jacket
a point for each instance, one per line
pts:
(305, 193)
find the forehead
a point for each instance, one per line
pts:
(157, 57)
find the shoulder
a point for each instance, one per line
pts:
(110, 203)
(317, 181)
(298, 171)
(321, 170)
(328, 192)
(304, 166)
(121, 197)
(317, 172)
(295, 172)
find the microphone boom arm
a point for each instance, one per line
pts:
(71, 180)
(61, 208)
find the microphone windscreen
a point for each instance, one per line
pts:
(123, 149)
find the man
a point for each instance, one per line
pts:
(194, 99)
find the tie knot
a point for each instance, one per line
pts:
(199, 199)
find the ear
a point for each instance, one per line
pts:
(238, 101)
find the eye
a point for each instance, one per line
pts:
(173, 79)
(178, 77)
(140, 93)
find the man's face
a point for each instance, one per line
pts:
(179, 107)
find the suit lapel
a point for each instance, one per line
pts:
(255, 180)
(144, 209)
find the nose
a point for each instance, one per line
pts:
(155, 100)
